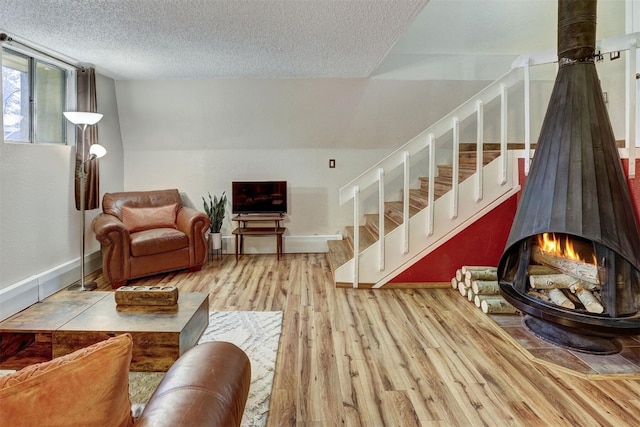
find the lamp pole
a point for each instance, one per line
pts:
(82, 120)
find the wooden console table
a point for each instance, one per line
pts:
(244, 229)
(68, 321)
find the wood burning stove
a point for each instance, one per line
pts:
(572, 259)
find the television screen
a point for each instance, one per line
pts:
(253, 197)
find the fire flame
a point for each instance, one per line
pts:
(548, 242)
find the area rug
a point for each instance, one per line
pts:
(255, 332)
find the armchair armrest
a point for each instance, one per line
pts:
(114, 238)
(194, 224)
(104, 225)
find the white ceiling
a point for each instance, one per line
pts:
(167, 39)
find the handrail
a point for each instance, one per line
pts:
(613, 45)
(603, 47)
(421, 141)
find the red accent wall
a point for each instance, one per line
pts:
(634, 184)
(482, 243)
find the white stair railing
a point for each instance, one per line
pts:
(423, 144)
(426, 143)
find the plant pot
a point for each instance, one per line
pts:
(215, 241)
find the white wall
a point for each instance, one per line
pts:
(39, 225)
(200, 135)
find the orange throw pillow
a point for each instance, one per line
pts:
(89, 387)
(139, 219)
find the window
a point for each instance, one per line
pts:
(33, 99)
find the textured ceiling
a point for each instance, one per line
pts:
(153, 39)
(166, 39)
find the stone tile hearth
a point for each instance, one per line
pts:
(625, 364)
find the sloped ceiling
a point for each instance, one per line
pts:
(163, 39)
(168, 39)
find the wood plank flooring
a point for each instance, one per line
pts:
(396, 357)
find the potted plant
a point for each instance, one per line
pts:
(215, 210)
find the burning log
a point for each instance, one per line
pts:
(550, 281)
(540, 295)
(549, 288)
(537, 270)
(578, 269)
(590, 302)
(559, 298)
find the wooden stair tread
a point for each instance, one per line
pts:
(340, 253)
(470, 158)
(366, 238)
(438, 181)
(394, 210)
(371, 222)
(446, 172)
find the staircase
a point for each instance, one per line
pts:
(341, 251)
(433, 208)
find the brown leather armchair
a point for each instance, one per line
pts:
(149, 232)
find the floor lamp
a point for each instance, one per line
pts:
(82, 120)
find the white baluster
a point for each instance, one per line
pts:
(527, 117)
(479, 149)
(405, 205)
(432, 177)
(356, 235)
(503, 134)
(381, 210)
(455, 124)
(631, 97)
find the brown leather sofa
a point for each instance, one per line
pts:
(149, 232)
(207, 386)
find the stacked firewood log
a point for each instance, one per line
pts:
(479, 284)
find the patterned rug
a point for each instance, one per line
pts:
(255, 332)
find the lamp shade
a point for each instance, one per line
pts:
(96, 151)
(82, 117)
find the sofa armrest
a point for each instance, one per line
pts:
(114, 238)
(207, 386)
(194, 224)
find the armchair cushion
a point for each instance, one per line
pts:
(151, 242)
(140, 219)
(85, 388)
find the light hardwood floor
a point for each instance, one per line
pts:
(396, 357)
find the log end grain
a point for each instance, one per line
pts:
(146, 295)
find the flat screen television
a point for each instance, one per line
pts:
(259, 197)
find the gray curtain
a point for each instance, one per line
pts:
(86, 87)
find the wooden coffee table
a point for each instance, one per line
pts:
(68, 321)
